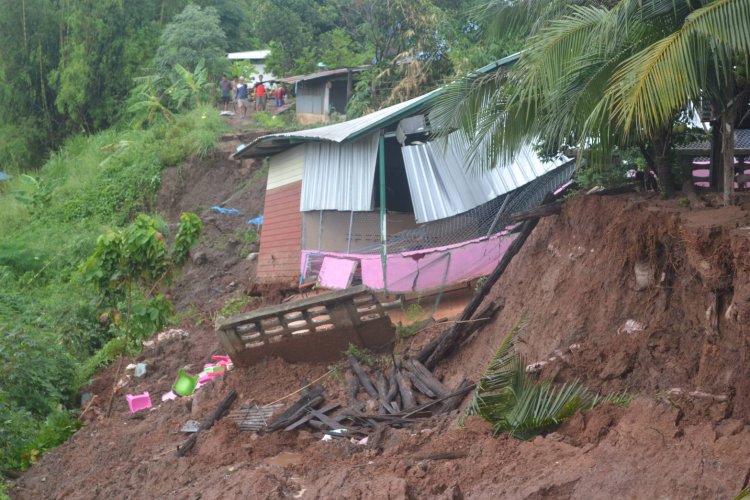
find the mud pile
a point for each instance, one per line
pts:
(623, 293)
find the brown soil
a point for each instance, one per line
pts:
(684, 356)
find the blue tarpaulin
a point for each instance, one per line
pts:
(258, 221)
(223, 210)
(5, 177)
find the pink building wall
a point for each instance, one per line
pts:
(426, 269)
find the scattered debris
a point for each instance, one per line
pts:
(719, 398)
(169, 396)
(631, 326)
(254, 418)
(166, 335)
(191, 426)
(257, 221)
(122, 382)
(140, 370)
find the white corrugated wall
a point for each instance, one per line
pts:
(339, 176)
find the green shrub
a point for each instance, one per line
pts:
(53, 337)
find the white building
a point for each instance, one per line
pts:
(255, 57)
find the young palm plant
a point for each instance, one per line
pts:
(513, 402)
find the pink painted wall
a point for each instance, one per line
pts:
(429, 269)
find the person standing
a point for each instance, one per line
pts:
(277, 97)
(260, 94)
(234, 93)
(225, 91)
(242, 97)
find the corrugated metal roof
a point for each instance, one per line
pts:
(320, 74)
(352, 129)
(249, 54)
(339, 132)
(741, 145)
(442, 184)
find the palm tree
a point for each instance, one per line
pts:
(595, 77)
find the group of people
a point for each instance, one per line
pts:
(239, 93)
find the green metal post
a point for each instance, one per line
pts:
(383, 234)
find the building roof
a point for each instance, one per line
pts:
(703, 148)
(321, 75)
(250, 54)
(350, 130)
(340, 132)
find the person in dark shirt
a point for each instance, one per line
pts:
(225, 91)
(242, 97)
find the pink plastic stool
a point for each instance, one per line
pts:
(138, 402)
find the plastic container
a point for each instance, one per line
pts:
(138, 402)
(185, 383)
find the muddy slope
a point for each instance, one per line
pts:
(620, 292)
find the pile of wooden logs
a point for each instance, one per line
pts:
(401, 388)
(402, 394)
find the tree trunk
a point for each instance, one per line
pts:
(727, 153)
(717, 177)
(663, 166)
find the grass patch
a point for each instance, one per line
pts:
(51, 337)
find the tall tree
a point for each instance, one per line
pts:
(595, 77)
(193, 36)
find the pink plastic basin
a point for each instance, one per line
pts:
(138, 402)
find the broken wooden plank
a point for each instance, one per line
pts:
(363, 378)
(452, 402)
(539, 212)
(352, 384)
(313, 398)
(418, 385)
(333, 424)
(310, 415)
(404, 388)
(448, 340)
(427, 378)
(392, 384)
(223, 407)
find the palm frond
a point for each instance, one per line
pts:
(515, 403)
(650, 86)
(725, 21)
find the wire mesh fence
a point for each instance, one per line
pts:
(484, 220)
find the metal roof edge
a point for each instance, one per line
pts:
(419, 102)
(505, 61)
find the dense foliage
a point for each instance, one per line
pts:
(68, 67)
(51, 310)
